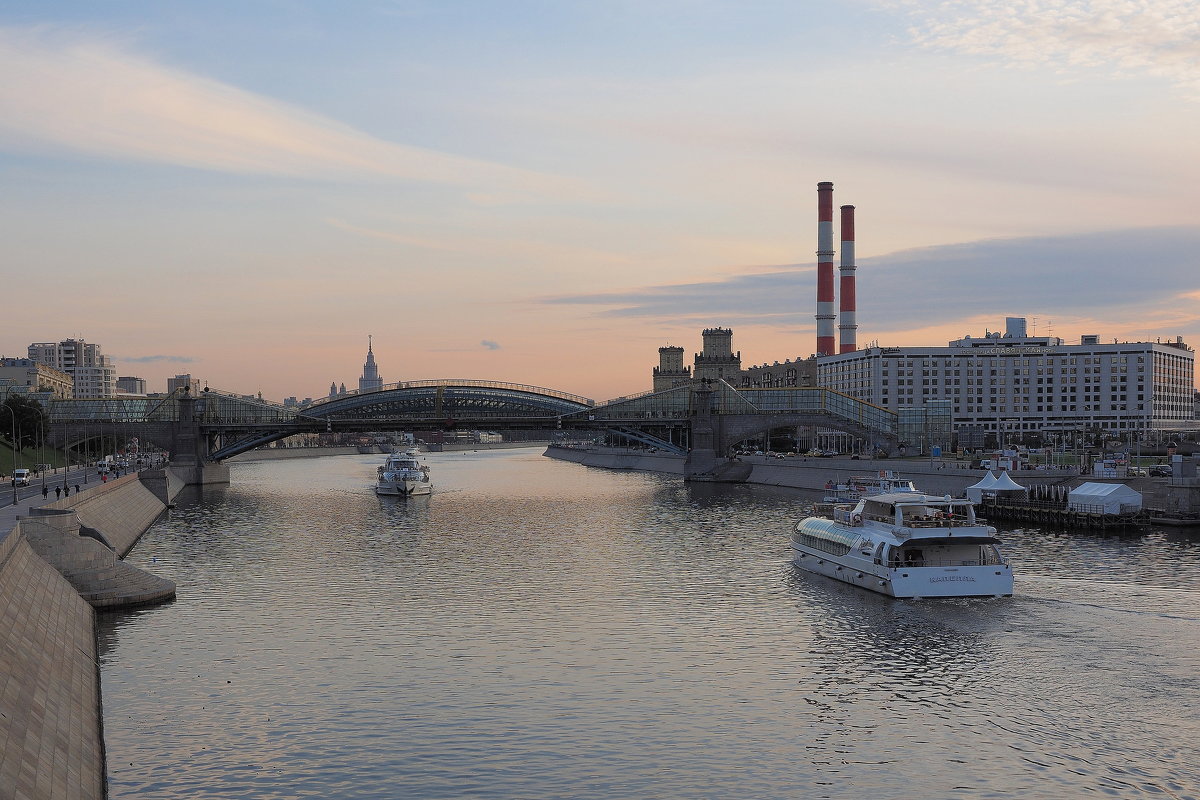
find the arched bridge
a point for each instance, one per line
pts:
(703, 419)
(224, 424)
(711, 417)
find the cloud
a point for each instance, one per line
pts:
(490, 345)
(154, 359)
(87, 95)
(1142, 276)
(1122, 38)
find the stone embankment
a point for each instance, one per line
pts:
(1174, 501)
(937, 477)
(57, 564)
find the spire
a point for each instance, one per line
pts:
(370, 380)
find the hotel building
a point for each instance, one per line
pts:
(1011, 384)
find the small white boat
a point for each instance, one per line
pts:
(905, 545)
(401, 474)
(883, 482)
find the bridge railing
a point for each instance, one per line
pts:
(466, 382)
(678, 402)
(229, 409)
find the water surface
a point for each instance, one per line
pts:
(540, 629)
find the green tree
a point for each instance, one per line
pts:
(25, 421)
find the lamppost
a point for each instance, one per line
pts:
(13, 414)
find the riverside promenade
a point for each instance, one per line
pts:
(60, 560)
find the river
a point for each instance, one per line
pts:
(540, 629)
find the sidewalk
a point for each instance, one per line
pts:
(31, 496)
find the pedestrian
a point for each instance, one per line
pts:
(103, 478)
(77, 488)
(57, 492)
(66, 491)
(45, 492)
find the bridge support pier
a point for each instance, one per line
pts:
(704, 463)
(188, 455)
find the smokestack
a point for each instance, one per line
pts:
(848, 327)
(825, 315)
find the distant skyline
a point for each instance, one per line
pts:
(548, 193)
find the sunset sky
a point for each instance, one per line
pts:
(547, 192)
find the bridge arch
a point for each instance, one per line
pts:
(450, 397)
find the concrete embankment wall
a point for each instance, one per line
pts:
(122, 509)
(54, 568)
(810, 473)
(937, 477)
(49, 682)
(615, 458)
(273, 453)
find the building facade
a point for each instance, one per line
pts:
(801, 372)
(128, 384)
(92, 372)
(1007, 386)
(31, 377)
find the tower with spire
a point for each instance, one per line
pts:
(370, 380)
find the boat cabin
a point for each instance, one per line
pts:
(915, 511)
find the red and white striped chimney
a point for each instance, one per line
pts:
(825, 315)
(848, 326)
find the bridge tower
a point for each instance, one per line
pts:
(670, 371)
(717, 361)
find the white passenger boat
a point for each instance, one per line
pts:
(906, 544)
(883, 482)
(401, 474)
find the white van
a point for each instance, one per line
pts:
(21, 477)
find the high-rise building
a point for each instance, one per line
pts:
(131, 385)
(92, 372)
(370, 380)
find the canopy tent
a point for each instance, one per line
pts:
(1005, 483)
(1106, 498)
(975, 491)
(995, 485)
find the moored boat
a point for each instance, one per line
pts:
(860, 486)
(905, 544)
(401, 474)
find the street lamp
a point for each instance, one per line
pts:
(13, 414)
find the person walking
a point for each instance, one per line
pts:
(45, 492)
(57, 492)
(66, 491)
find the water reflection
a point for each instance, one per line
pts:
(539, 629)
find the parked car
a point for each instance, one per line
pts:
(1136, 472)
(1160, 471)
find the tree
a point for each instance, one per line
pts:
(26, 419)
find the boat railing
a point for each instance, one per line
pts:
(987, 557)
(952, 521)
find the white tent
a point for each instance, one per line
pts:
(1107, 498)
(1005, 483)
(975, 491)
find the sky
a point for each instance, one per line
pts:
(545, 193)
